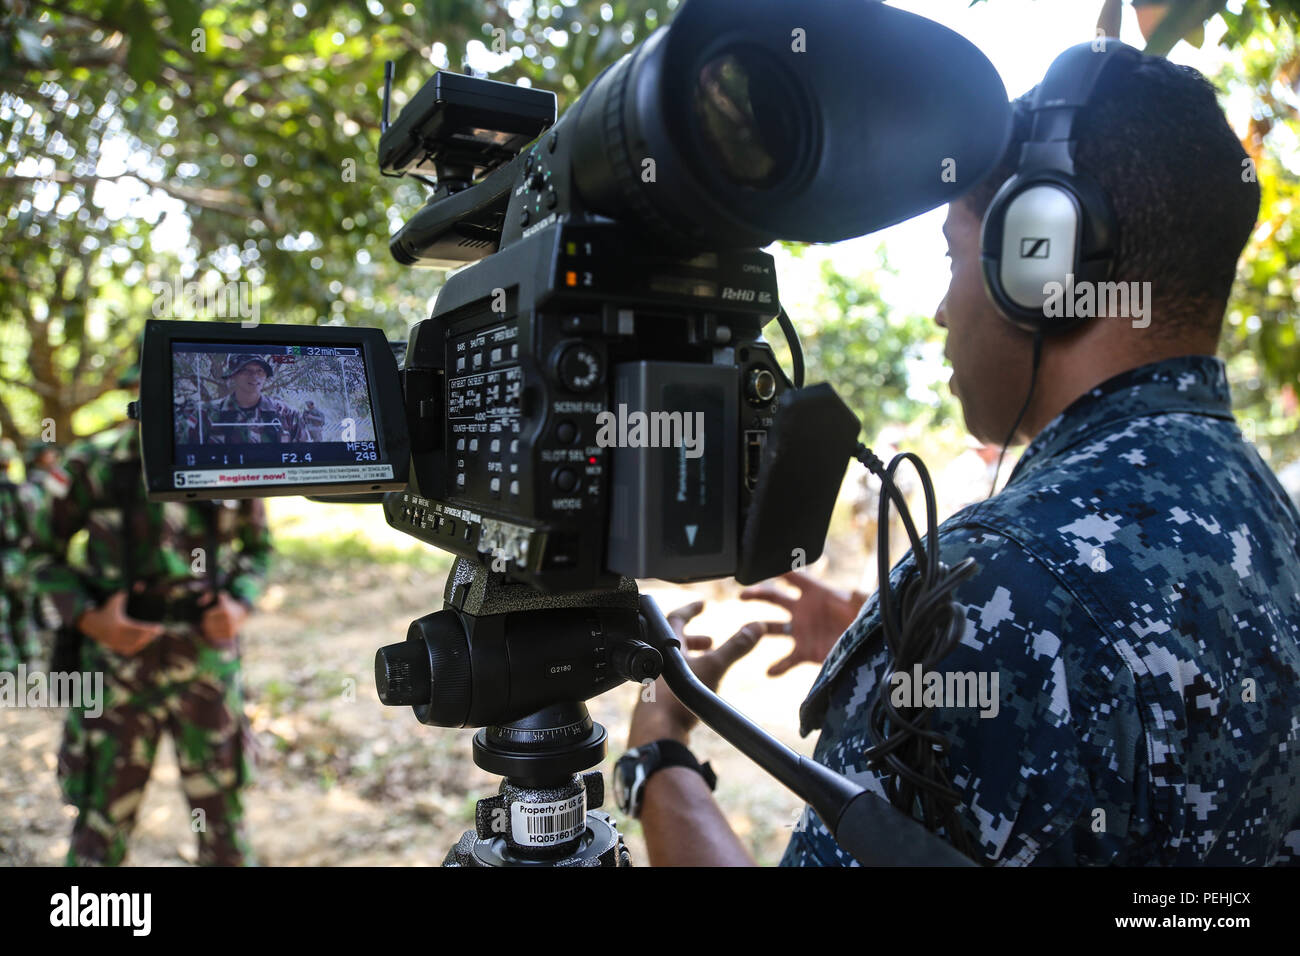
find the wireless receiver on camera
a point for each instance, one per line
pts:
(595, 399)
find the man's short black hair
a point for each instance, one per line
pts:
(1155, 140)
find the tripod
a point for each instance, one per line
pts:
(540, 815)
(519, 664)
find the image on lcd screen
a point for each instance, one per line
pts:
(267, 414)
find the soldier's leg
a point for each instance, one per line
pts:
(207, 724)
(24, 628)
(9, 656)
(106, 760)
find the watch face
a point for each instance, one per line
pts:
(624, 771)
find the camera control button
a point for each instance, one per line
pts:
(494, 486)
(579, 368)
(514, 446)
(495, 446)
(514, 487)
(473, 444)
(566, 479)
(566, 432)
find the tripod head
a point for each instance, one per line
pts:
(519, 664)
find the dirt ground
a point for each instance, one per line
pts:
(343, 780)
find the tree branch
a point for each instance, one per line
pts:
(218, 200)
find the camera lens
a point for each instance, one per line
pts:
(748, 113)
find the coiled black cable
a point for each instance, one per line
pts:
(921, 627)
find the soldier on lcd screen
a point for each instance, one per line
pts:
(314, 419)
(245, 415)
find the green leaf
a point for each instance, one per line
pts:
(184, 15)
(142, 60)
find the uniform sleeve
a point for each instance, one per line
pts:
(69, 588)
(254, 559)
(1042, 719)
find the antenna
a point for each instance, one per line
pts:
(388, 95)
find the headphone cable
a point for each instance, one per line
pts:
(1033, 380)
(921, 626)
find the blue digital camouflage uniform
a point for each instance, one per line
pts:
(1139, 600)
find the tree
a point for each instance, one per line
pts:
(148, 140)
(855, 341)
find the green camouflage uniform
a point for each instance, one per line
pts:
(41, 486)
(180, 682)
(314, 419)
(17, 641)
(270, 420)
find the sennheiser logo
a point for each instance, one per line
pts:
(75, 908)
(1035, 248)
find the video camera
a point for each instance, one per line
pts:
(593, 400)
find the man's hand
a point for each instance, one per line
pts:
(110, 626)
(663, 715)
(221, 621)
(818, 616)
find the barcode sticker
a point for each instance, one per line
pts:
(545, 824)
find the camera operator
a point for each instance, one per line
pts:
(1139, 581)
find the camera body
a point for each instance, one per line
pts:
(582, 407)
(594, 399)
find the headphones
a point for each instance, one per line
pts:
(1048, 222)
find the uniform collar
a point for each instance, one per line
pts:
(1194, 384)
(233, 402)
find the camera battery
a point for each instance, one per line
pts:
(675, 476)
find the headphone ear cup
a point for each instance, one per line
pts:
(1048, 228)
(1030, 240)
(1099, 237)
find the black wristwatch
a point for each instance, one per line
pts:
(634, 768)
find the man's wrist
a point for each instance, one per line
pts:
(647, 728)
